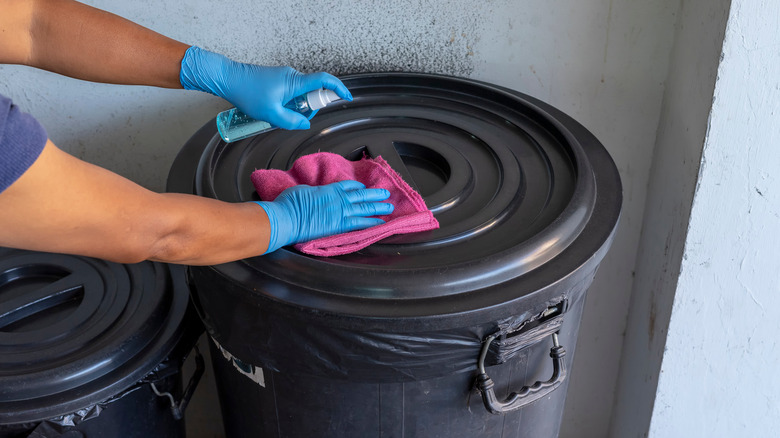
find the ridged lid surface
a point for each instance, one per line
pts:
(75, 331)
(518, 188)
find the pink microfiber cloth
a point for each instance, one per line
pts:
(410, 214)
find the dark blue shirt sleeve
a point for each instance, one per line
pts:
(22, 139)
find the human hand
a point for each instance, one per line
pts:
(302, 213)
(258, 91)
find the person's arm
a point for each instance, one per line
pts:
(62, 204)
(73, 39)
(77, 40)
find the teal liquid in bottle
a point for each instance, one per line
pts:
(234, 125)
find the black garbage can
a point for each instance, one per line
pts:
(93, 349)
(468, 330)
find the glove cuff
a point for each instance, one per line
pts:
(201, 70)
(280, 227)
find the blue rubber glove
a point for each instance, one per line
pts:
(260, 92)
(302, 213)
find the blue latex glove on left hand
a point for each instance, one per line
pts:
(302, 213)
(258, 91)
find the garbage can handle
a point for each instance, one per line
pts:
(527, 394)
(178, 408)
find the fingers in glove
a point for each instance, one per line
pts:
(367, 195)
(359, 223)
(357, 192)
(370, 209)
(315, 81)
(348, 185)
(289, 119)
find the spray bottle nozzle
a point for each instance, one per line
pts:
(320, 98)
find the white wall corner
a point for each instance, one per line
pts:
(719, 372)
(674, 174)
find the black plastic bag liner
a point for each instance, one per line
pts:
(86, 345)
(528, 201)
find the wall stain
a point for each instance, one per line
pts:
(533, 70)
(606, 43)
(651, 321)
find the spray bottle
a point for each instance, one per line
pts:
(234, 125)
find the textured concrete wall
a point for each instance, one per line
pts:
(602, 61)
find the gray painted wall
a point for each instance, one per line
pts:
(681, 135)
(602, 61)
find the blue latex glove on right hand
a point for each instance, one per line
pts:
(302, 213)
(259, 92)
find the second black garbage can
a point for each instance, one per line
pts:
(93, 349)
(464, 331)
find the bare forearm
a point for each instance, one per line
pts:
(77, 40)
(62, 204)
(210, 231)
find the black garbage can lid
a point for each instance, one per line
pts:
(520, 191)
(76, 331)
